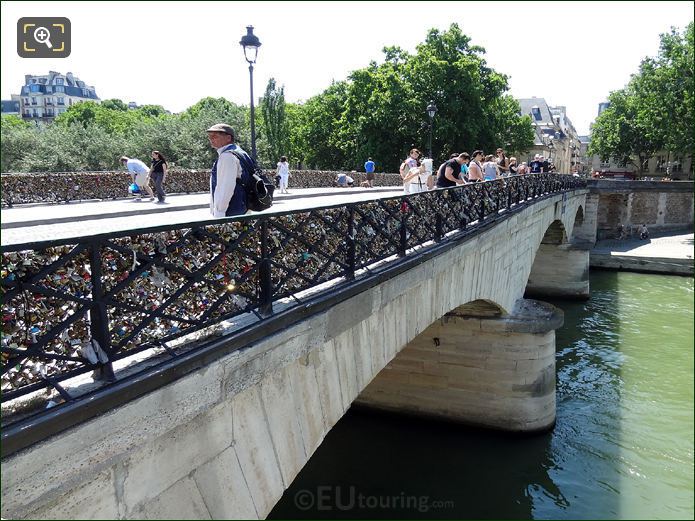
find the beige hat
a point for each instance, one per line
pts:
(222, 127)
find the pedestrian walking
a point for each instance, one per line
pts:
(158, 174)
(284, 172)
(369, 167)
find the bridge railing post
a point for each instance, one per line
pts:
(264, 273)
(98, 318)
(438, 227)
(351, 246)
(402, 243)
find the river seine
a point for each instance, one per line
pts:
(622, 447)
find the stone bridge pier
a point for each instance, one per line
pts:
(477, 367)
(561, 266)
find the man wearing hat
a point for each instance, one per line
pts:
(227, 195)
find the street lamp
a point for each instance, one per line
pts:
(251, 43)
(551, 146)
(431, 111)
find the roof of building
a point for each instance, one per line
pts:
(528, 104)
(10, 106)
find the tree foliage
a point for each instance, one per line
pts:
(377, 111)
(274, 121)
(654, 111)
(380, 111)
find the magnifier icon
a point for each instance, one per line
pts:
(43, 35)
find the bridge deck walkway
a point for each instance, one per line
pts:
(38, 222)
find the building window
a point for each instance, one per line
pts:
(59, 88)
(661, 164)
(49, 88)
(61, 101)
(35, 88)
(26, 101)
(59, 81)
(605, 164)
(536, 113)
(33, 101)
(677, 164)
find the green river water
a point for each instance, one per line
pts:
(622, 447)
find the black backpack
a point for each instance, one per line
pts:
(259, 189)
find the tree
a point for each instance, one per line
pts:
(322, 121)
(654, 111)
(380, 111)
(18, 138)
(624, 132)
(274, 121)
(114, 104)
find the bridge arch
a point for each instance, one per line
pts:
(561, 266)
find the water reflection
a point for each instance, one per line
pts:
(622, 446)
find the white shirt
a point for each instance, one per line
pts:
(228, 171)
(136, 166)
(283, 169)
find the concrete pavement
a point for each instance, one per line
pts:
(667, 254)
(40, 222)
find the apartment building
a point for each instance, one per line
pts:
(43, 97)
(556, 138)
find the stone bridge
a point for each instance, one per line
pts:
(445, 334)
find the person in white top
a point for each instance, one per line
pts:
(139, 173)
(284, 172)
(415, 181)
(227, 196)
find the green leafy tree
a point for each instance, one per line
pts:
(18, 138)
(654, 111)
(380, 111)
(114, 104)
(322, 115)
(274, 122)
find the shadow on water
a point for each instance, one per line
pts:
(384, 466)
(387, 466)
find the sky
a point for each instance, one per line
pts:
(175, 53)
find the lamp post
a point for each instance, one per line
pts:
(251, 43)
(431, 111)
(551, 147)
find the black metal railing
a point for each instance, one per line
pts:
(78, 305)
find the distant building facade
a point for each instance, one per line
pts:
(42, 98)
(11, 107)
(555, 136)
